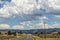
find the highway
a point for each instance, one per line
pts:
(27, 37)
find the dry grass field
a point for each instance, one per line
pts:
(38, 38)
(11, 37)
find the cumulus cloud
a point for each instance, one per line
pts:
(4, 13)
(55, 4)
(53, 7)
(45, 26)
(18, 27)
(21, 7)
(30, 6)
(4, 26)
(35, 26)
(28, 23)
(56, 25)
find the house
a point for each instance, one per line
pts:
(56, 32)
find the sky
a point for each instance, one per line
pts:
(29, 14)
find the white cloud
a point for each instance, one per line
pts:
(42, 26)
(4, 26)
(42, 18)
(27, 6)
(57, 16)
(28, 23)
(4, 12)
(35, 26)
(54, 4)
(21, 27)
(56, 25)
(18, 7)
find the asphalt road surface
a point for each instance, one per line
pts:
(27, 37)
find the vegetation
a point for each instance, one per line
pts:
(36, 35)
(47, 35)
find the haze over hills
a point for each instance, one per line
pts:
(32, 30)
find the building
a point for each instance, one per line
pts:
(56, 32)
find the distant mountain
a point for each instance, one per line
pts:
(32, 30)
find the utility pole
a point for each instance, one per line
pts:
(44, 27)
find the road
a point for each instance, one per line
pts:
(27, 37)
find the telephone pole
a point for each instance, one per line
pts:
(45, 29)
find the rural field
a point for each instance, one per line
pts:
(25, 37)
(38, 38)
